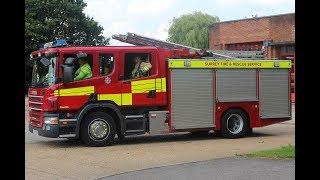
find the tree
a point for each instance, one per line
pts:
(192, 29)
(47, 20)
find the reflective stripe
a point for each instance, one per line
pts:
(158, 85)
(161, 85)
(200, 63)
(119, 99)
(126, 99)
(112, 97)
(144, 86)
(164, 85)
(80, 91)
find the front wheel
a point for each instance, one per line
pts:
(98, 129)
(234, 124)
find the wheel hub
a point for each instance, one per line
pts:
(235, 123)
(99, 129)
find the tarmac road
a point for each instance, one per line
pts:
(225, 168)
(62, 159)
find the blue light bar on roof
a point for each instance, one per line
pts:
(55, 43)
(59, 42)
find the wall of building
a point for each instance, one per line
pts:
(252, 31)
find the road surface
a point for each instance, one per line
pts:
(225, 168)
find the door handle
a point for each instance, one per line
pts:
(151, 94)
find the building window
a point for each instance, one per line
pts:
(287, 49)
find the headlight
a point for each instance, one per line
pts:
(51, 120)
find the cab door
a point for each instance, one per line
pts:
(73, 95)
(142, 90)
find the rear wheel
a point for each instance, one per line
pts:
(97, 129)
(234, 124)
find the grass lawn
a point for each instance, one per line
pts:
(285, 152)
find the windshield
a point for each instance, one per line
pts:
(44, 76)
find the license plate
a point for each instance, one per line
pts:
(35, 132)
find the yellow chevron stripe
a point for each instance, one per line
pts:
(79, 91)
(144, 86)
(126, 98)
(119, 99)
(164, 85)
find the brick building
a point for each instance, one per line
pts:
(276, 32)
(275, 35)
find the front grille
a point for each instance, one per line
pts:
(35, 113)
(35, 99)
(35, 103)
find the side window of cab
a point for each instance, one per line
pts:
(83, 73)
(106, 61)
(138, 65)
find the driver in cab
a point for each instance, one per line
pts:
(84, 71)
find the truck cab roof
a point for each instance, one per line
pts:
(93, 48)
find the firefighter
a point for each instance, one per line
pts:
(140, 69)
(84, 71)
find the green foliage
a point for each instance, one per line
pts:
(47, 20)
(279, 153)
(192, 29)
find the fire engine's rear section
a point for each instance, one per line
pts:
(189, 94)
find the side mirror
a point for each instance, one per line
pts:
(67, 73)
(45, 62)
(69, 61)
(68, 70)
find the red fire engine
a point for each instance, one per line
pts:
(184, 92)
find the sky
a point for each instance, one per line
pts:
(153, 18)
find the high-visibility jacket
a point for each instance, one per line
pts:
(141, 69)
(84, 72)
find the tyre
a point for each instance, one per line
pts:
(234, 124)
(250, 131)
(97, 129)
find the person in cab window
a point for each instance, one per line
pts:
(84, 71)
(141, 69)
(107, 68)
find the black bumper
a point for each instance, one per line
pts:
(51, 131)
(64, 128)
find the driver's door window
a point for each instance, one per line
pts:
(76, 64)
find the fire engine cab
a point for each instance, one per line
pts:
(183, 92)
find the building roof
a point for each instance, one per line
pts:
(254, 18)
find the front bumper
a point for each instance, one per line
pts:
(65, 128)
(51, 131)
